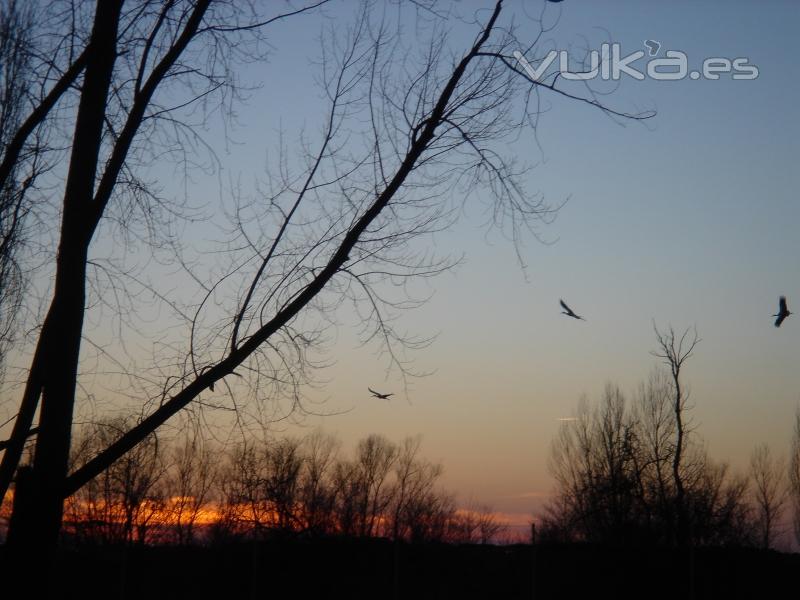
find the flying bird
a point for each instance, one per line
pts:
(783, 312)
(379, 395)
(569, 312)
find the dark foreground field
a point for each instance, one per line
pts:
(379, 569)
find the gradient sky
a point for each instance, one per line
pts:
(689, 220)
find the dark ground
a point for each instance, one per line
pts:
(353, 569)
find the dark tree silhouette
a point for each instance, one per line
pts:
(121, 504)
(614, 464)
(117, 102)
(768, 474)
(23, 164)
(190, 479)
(675, 351)
(794, 475)
(431, 122)
(414, 480)
(176, 493)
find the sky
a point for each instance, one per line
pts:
(687, 220)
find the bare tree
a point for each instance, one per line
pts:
(594, 462)
(474, 524)
(346, 497)
(371, 493)
(769, 493)
(17, 30)
(317, 495)
(190, 480)
(414, 480)
(283, 483)
(613, 466)
(264, 485)
(117, 102)
(242, 480)
(653, 413)
(794, 476)
(675, 351)
(408, 127)
(430, 517)
(121, 505)
(267, 488)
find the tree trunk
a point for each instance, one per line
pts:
(60, 340)
(681, 532)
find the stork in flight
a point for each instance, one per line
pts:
(783, 312)
(379, 395)
(568, 311)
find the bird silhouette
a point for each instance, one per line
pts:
(783, 312)
(379, 395)
(569, 312)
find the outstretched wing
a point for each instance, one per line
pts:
(782, 303)
(780, 319)
(569, 312)
(373, 391)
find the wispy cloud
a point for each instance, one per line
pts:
(533, 494)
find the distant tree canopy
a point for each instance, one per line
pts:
(614, 480)
(188, 492)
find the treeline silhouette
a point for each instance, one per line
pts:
(189, 491)
(615, 484)
(299, 517)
